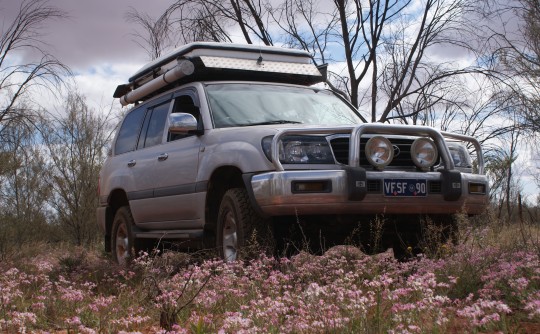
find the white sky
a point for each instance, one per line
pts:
(95, 41)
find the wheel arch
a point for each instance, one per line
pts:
(221, 180)
(117, 199)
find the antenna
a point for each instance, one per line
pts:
(260, 60)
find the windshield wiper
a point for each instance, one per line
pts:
(281, 121)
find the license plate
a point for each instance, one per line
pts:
(405, 187)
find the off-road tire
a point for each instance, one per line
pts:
(241, 232)
(122, 241)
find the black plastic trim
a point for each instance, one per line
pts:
(175, 190)
(141, 194)
(451, 184)
(356, 183)
(247, 184)
(184, 189)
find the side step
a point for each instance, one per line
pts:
(169, 234)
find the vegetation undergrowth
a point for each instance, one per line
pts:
(489, 282)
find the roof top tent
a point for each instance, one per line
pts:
(219, 61)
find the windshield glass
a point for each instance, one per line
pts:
(259, 104)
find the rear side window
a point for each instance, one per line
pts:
(129, 132)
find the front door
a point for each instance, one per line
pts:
(177, 201)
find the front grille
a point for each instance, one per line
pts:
(340, 146)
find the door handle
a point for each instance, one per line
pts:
(131, 163)
(162, 157)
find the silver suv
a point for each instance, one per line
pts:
(233, 145)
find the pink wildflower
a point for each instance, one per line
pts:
(533, 307)
(484, 312)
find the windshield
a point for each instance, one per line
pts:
(259, 104)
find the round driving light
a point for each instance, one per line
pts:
(424, 153)
(379, 152)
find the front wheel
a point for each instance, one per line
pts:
(241, 232)
(123, 250)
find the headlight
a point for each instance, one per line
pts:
(379, 152)
(461, 157)
(300, 150)
(424, 153)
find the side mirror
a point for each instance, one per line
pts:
(182, 123)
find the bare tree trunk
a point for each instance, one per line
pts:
(374, 89)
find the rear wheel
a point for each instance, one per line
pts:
(123, 250)
(241, 232)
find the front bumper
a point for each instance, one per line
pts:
(355, 191)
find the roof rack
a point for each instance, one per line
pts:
(219, 61)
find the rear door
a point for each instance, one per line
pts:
(144, 158)
(127, 161)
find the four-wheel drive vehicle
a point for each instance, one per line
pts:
(232, 145)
